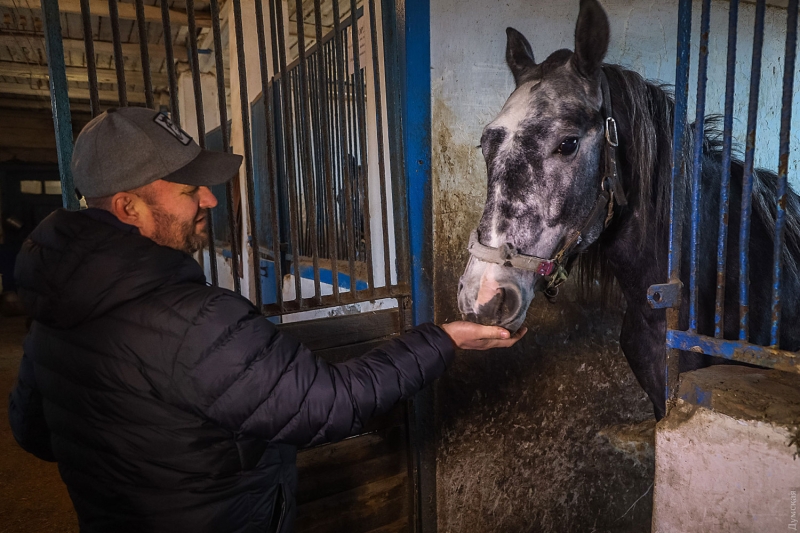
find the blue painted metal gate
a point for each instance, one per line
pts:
(669, 295)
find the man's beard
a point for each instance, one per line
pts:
(179, 235)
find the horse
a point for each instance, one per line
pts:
(579, 166)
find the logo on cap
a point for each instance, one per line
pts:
(164, 121)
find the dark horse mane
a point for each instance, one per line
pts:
(644, 112)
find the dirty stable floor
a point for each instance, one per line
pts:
(33, 499)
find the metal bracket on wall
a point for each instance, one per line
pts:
(665, 295)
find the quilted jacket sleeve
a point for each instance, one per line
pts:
(256, 381)
(26, 416)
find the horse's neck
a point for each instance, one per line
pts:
(635, 261)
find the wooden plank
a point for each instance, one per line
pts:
(354, 449)
(39, 72)
(399, 526)
(358, 510)
(74, 93)
(126, 11)
(344, 466)
(338, 331)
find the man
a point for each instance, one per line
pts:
(171, 405)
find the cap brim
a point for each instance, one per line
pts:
(207, 169)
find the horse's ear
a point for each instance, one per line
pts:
(591, 38)
(519, 55)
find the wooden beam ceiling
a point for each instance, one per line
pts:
(26, 39)
(126, 11)
(40, 72)
(74, 93)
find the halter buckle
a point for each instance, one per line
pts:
(611, 132)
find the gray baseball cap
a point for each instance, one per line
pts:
(128, 147)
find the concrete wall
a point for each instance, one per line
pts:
(726, 455)
(544, 437)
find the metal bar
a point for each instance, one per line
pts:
(725, 186)
(340, 76)
(322, 80)
(288, 146)
(173, 81)
(392, 51)
(59, 100)
(119, 59)
(248, 149)
(747, 179)
(395, 291)
(672, 369)
(91, 66)
(376, 75)
(743, 352)
(306, 148)
(362, 143)
(783, 167)
(201, 125)
(223, 125)
(145, 61)
(697, 162)
(272, 172)
(415, 28)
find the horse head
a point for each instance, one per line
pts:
(544, 154)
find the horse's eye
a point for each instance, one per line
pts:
(568, 146)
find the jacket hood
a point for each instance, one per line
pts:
(73, 268)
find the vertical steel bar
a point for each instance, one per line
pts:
(59, 100)
(91, 65)
(393, 51)
(288, 148)
(119, 59)
(141, 24)
(376, 74)
(223, 125)
(747, 180)
(783, 167)
(170, 53)
(201, 123)
(322, 80)
(341, 76)
(677, 192)
(272, 171)
(725, 186)
(248, 149)
(362, 142)
(697, 162)
(305, 148)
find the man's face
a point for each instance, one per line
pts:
(175, 215)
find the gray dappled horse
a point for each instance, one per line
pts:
(578, 164)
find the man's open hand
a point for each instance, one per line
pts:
(471, 336)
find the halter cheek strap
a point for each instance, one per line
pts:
(611, 193)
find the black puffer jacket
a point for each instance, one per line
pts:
(174, 406)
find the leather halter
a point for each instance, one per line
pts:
(611, 193)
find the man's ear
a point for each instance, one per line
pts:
(126, 206)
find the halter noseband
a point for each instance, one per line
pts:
(611, 193)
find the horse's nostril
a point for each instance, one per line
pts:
(510, 303)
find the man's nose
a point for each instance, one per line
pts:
(207, 198)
